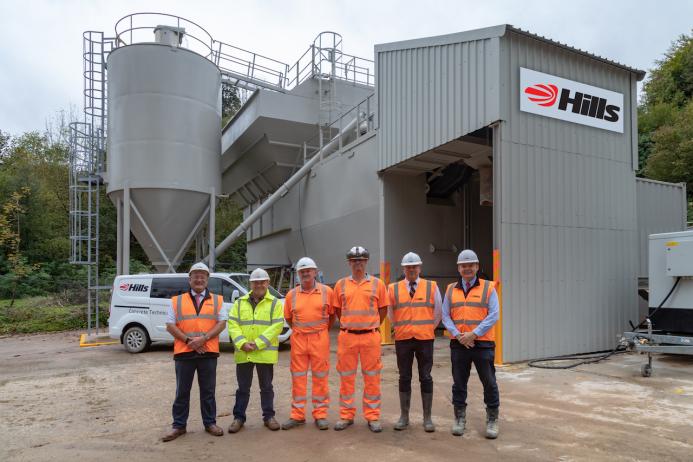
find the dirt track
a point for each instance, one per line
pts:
(59, 401)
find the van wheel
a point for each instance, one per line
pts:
(136, 339)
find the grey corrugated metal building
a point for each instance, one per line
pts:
(564, 214)
(457, 159)
(661, 209)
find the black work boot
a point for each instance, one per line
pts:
(492, 423)
(460, 420)
(404, 405)
(427, 400)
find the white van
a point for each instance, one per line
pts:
(137, 315)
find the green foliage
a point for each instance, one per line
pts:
(229, 215)
(672, 80)
(665, 118)
(671, 157)
(230, 102)
(44, 314)
(34, 221)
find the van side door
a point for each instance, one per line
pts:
(163, 288)
(224, 288)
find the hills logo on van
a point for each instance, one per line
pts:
(125, 287)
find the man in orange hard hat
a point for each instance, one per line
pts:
(361, 303)
(308, 310)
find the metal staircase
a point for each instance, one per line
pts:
(86, 161)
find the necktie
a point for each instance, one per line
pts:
(198, 298)
(412, 289)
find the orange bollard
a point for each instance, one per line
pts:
(385, 327)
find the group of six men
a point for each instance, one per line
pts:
(360, 301)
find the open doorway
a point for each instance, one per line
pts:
(441, 202)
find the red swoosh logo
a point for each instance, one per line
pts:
(542, 94)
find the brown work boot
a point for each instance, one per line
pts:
(173, 434)
(215, 430)
(235, 426)
(272, 424)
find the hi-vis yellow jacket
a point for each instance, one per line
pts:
(261, 325)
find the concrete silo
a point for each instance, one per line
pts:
(164, 145)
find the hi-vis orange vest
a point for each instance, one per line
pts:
(414, 318)
(358, 317)
(196, 325)
(468, 312)
(305, 320)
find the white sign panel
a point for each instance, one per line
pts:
(564, 99)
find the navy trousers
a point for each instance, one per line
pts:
(206, 378)
(244, 375)
(406, 350)
(482, 355)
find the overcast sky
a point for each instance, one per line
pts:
(41, 41)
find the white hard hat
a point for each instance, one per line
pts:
(411, 259)
(259, 274)
(306, 263)
(467, 256)
(198, 267)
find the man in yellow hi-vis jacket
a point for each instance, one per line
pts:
(255, 322)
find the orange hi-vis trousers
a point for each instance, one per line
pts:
(312, 351)
(351, 347)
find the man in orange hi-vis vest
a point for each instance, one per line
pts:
(308, 310)
(470, 310)
(360, 302)
(415, 311)
(195, 320)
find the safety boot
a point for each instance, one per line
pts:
(492, 423)
(343, 423)
(427, 400)
(292, 423)
(322, 424)
(460, 420)
(404, 405)
(375, 426)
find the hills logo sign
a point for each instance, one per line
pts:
(551, 96)
(125, 287)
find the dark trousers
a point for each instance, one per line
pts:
(423, 350)
(206, 378)
(462, 359)
(244, 375)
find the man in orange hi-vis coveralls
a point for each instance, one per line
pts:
(361, 303)
(308, 310)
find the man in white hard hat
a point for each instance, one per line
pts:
(415, 311)
(255, 322)
(361, 303)
(308, 310)
(470, 310)
(195, 319)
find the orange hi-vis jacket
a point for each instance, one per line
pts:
(413, 317)
(196, 325)
(315, 308)
(467, 312)
(360, 302)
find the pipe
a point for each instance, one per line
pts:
(326, 150)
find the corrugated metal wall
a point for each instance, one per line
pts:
(661, 209)
(430, 95)
(567, 214)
